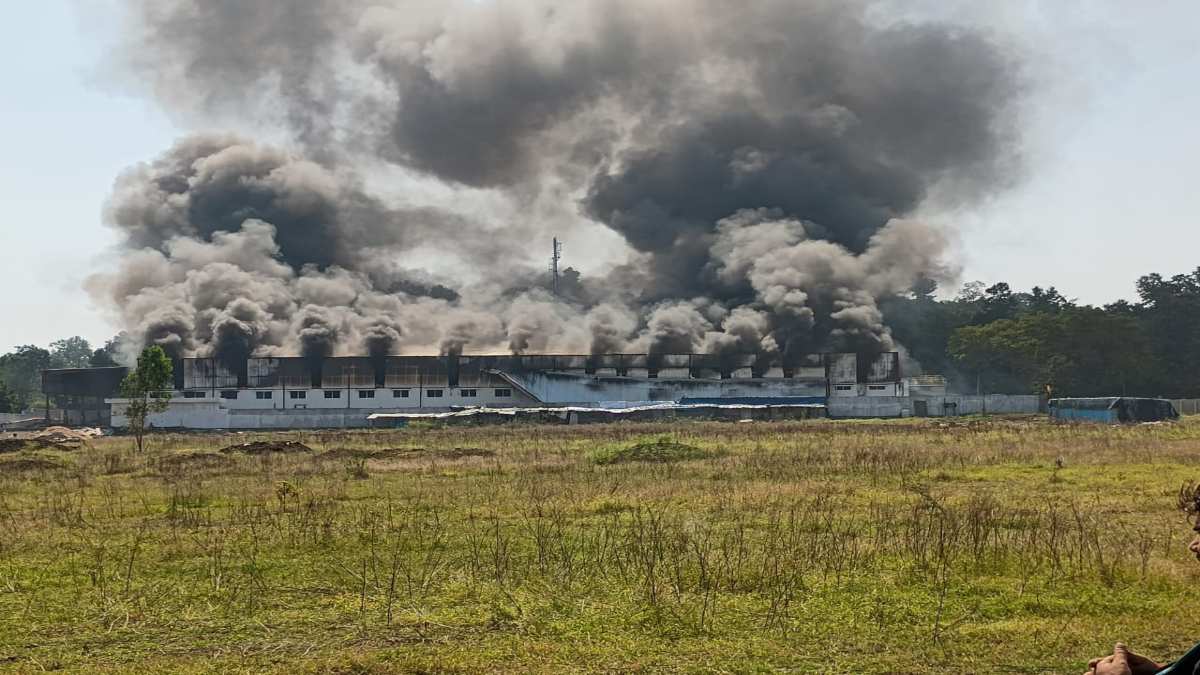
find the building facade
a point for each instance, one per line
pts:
(295, 392)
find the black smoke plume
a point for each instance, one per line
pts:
(761, 161)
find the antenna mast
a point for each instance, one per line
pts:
(554, 263)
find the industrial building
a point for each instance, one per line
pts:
(297, 392)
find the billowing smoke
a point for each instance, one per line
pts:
(761, 161)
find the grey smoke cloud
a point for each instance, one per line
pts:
(761, 160)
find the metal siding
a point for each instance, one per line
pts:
(202, 373)
(842, 368)
(884, 368)
(92, 382)
(263, 373)
(293, 373)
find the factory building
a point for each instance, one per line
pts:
(296, 392)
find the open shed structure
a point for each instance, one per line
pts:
(1112, 410)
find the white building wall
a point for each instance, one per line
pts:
(881, 389)
(248, 411)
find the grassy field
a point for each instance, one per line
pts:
(977, 546)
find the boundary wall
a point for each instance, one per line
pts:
(934, 406)
(1186, 406)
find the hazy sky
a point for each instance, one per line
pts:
(1111, 134)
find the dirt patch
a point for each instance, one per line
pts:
(8, 445)
(458, 453)
(29, 465)
(198, 460)
(405, 453)
(267, 447)
(373, 453)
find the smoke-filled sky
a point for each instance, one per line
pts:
(385, 175)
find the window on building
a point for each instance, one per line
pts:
(844, 387)
(229, 394)
(193, 394)
(877, 387)
(264, 395)
(434, 393)
(399, 393)
(467, 393)
(298, 395)
(333, 394)
(504, 393)
(366, 393)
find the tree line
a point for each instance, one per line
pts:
(998, 340)
(21, 369)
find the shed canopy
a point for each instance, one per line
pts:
(1126, 408)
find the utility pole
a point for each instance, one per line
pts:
(557, 255)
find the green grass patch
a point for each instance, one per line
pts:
(912, 546)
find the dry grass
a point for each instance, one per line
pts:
(913, 547)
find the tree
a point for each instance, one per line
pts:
(147, 389)
(73, 352)
(21, 371)
(1170, 315)
(101, 359)
(8, 400)
(1078, 351)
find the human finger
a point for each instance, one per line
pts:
(1120, 654)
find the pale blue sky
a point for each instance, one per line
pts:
(64, 136)
(1111, 192)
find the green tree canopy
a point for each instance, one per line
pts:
(147, 390)
(72, 352)
(8, 400)
(21, 372)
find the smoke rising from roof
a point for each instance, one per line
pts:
(762, 162)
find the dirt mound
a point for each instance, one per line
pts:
(267, 447)
(65, 436)
(659, 450)
(195, 460)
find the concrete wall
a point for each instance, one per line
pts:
(299, 419)
(867, 406)
(935, 406)
(210, 415)
(181, 414)
(987, 404)
(1187, 406)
